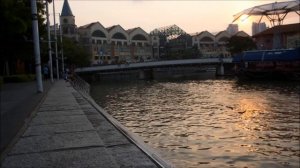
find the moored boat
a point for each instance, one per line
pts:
(268, 64)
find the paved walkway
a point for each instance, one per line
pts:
(17, 102)
(67, 131)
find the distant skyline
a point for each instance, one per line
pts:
(191, 16)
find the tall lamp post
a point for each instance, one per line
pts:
(55, 39)
(35, 33)
(49, 41)
(62, 51)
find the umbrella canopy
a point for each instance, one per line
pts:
(274, 12)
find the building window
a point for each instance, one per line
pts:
(65, 20)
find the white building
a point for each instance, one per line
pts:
(108, 45)
(214, 45)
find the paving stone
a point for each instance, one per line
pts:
(130, 156)
(60, 113)
(97, 120)
(92, 157)
(110, 135)
(90, 111)
(58, 128)
(57, 141)
(44, 120)
(58, 108)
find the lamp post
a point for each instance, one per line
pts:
(49, 41)
(62, 51)
(35, 33)
(55, 39)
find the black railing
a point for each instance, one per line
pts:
(80, 85)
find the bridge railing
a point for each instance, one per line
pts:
(80, 85)
(155, 64)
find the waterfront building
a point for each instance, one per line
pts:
(115, 44)
(241, 34)
(167, 39)
(110, 45)
(210, 45)
(205, 42)
(232, 29)
(289, 37)
(174, 39)
(67, 22)
(221, 40)
(258, 27)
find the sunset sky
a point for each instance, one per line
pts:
(191, 16)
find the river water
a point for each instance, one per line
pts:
(210, 122)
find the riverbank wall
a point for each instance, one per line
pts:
(84, 89)
(68, 129)
(197, 72)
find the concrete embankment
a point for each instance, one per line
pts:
(69, 130)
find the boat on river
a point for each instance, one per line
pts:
(268, 64)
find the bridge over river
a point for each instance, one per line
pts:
(156, 64)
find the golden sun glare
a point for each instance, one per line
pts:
(244, 19)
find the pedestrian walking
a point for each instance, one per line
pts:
(46, 72)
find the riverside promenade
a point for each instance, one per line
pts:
(66, 130)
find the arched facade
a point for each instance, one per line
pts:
(206, 43)
(116, 45)
(109, 45)
(117, 35)
(211, 45)
(221, 41)
(139, 40)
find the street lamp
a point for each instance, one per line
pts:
(35, 33)
(61, 42)
(62, 51)
(49, 41)
(55, 38)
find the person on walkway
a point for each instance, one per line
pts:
(66, 74)
(45, 72)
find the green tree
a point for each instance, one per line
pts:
(16, 32)
(238, 44)
(75, 54)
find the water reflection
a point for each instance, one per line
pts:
(210, 123)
